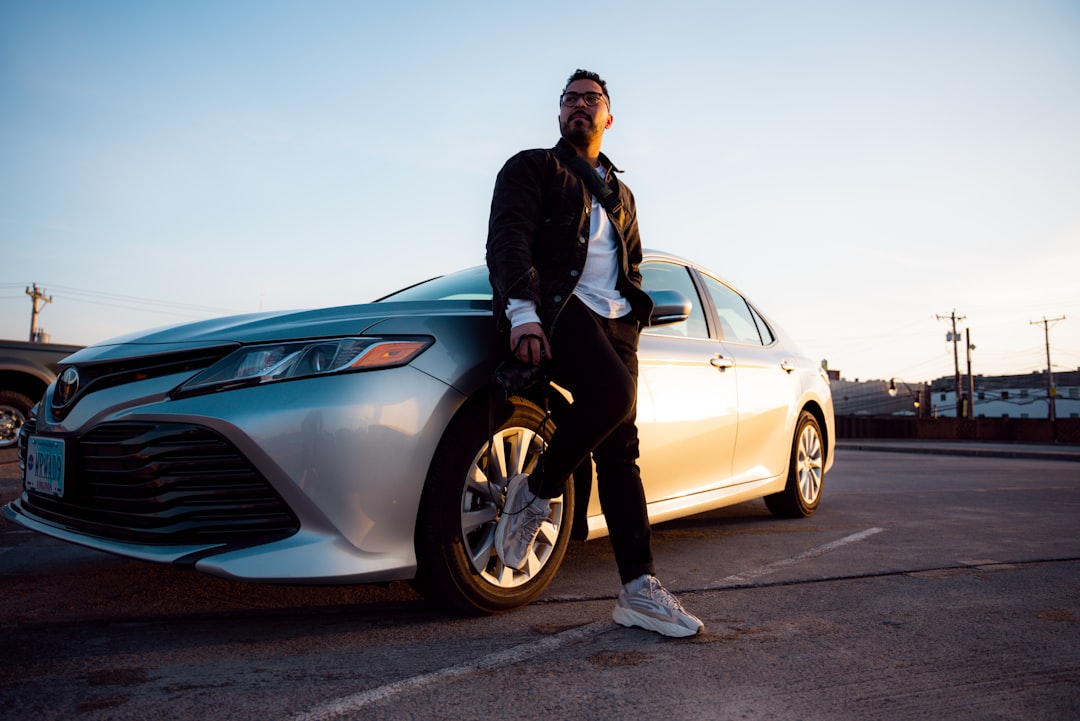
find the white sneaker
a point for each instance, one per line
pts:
(520, 521)
(645, 603)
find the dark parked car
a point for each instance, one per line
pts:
(26, 369)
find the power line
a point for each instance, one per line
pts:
(75, 293)
(159, 311)
(128, 302)
(131, 301)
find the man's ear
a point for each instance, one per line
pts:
(610, 120)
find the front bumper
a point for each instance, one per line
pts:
(314, 481)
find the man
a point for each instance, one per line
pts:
(564, 270)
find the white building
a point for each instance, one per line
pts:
(1022, 396)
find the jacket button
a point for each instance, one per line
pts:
(581, 239)
(557, 299)
(573, 274)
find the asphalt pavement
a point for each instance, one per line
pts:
(930, 585)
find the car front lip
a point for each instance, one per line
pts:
(305, 557)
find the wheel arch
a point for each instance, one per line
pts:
(30, 384)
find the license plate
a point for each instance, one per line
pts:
(45, 465)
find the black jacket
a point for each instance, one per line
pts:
(538, 235)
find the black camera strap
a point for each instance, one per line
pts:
(608, 198)
(526, 337)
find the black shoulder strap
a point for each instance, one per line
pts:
(603, 192)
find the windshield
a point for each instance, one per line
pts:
(469, 284)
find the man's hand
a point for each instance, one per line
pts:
(529, 349)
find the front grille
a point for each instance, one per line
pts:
(164, 484)
(99, 375)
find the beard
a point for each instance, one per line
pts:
(579, 133)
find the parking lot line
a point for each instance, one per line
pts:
(786, 562)
(353, 703)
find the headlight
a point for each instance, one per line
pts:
(254, 365)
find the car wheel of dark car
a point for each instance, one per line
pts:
(806, 469)
(457, 563)
(14, 410)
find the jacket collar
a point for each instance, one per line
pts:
(564, 149)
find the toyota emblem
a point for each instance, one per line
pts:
(67, 387)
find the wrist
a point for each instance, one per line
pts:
(520, 311)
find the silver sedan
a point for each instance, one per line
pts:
(371, 443)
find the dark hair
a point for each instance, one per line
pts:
(580, 74)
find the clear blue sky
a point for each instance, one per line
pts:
(856, 168)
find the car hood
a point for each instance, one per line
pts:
(270, 327)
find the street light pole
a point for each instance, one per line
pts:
(916, 396)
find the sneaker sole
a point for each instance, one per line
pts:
(500, 541)
(629, 618)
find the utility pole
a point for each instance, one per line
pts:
(37, 295)
(971, 378)
(955, 338)
(1051, 391)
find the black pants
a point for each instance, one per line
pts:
(595, 359)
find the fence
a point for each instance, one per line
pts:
(1018, 430)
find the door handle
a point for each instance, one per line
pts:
(786, 366)
(721, 363)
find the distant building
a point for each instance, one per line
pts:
(873, 398)
(1019, 396)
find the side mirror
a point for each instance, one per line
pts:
(669, 306)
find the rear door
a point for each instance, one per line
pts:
(768, 386)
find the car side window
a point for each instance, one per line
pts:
(767, 336)
(661, 275)
(736, 319)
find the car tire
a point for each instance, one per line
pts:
(14, 410)
(806, 471)
(456, 561)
